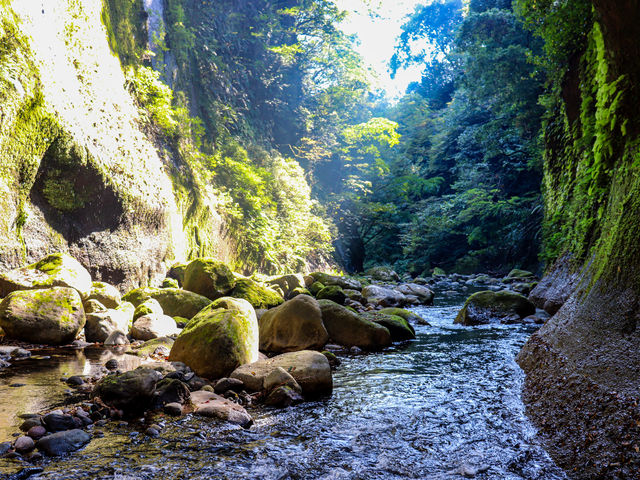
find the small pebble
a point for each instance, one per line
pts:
(111, 364)
(24, 444)
(152, 432)
(16, 385)
(75, 380)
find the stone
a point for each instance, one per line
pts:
(398, 327)
(93, 306)
(30, 423)
(517, 275)
(54, 270)
(298, 291)
(116, 338)
(62, 443)
(257, 295)
(382, 273)
(408, 315)
(75, 380)
(279, 377)
(100, 325)
(209, 277)
(129, 391)
(424, 294)
(24, 444)
(152, 432)
(287, 283)
(177, 272)
(355, 296)
(316, 287)
(173, 409)
(225, 384)
(172, 390)
(148, 307)
(111, 364)
(153, 326)
(56, 422)
(36, 432)
(333, 293)
(151, 347)
(309, 368)
(283, 396)
(342, 282)
(51, 316)
(350, 329)
(294, 325)
(494, 307)
(211, 405)
(170, 283)
(175, 302)
(106, 294)
(385, 297)
(220, 338)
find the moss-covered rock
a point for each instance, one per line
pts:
(347, 328)
(333, 293)
(342, 282)
(55, 270)
(254, 293)
(101, 324)
(52, 316)
(130, 391)
(150, 346)
(439, 272)
(176, 272)
(218, 339)
(288, 283)
(209, 277)
(170, 283)
(384, 274)
(494, 307)
(398, 327)
(408, 315)
(106, 294)
(148, 307)
(298, 291)
(175, 302)
(153, 326)
(316, 287)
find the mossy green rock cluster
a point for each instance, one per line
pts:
(350, 329)
(257, 295)
(398, 327)
(408, 315)
(106, 294)
(219, 339)
(52, 316)
(342, 282)
(494, 307)
(384, 274)
(175, 302)
(209, 277)
(333, 293)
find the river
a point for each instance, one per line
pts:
(444, 406)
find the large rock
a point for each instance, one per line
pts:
(333, 293)
(175, 302)
(384, 274)
(62, 443)
(130, 391)
(310, 369)
(424, 294)
(408, 315)
(52, 316)
(100, 325)
(153, 326)
(220, 338)
(288, 283)
(383, 296)
(398, 327)
(350, 329)
(494, 307)
(148, 307)
(55, 270)
(209, 277)
(294, 325)
(342, 282)
(209, 404)
(522, 276)
(257, 295)
(106, 294)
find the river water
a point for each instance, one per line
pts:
(444, 406)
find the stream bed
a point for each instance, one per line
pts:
(444, 406)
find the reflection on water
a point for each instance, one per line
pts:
(441, 406)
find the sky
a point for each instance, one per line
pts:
(378, 37)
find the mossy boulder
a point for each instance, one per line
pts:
(257, 295)
(439, 272)
(148, 307)
(176, 272)
(130, 391)
(398, 327)
(209, 277)
(316, 287)
(383, 273)
(150, 346)
(106, 294)
(298, 291)
(51, 316)
(350, 329)
(408, 315)
(333, 293)
(153, 326)
(100, 324)
(219, 339)
(519, 276)
(55, 270)
(294, 325)
(175, 302)
(288, 283)
(356, 296)
(343, 282)
(170, 283)
(494, 307)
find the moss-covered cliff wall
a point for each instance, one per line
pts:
(583, 365)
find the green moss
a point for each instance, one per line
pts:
(402, 313)
(257, 295)
(125, 22)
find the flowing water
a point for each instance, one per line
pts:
(444, 406)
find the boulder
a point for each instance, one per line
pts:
(294, 325)
(171, 390)
(209, 277)
(175, 302)
(177, 272)
(52, 316)
(298, 291)
(398, 327)
(310, 369)
(153, 326)
(62, 443)
(350, 329)
(355, 296)
(494, 307)
(408, 315)
(333, 293)
(342, 282)
(283, 396)
(116, 338)
(384, 274)
(106, 294)
(93, 306)
(278, 378)
(520, 276)
(220, 338)
(148, 307)
(424, 294)
(383, 296)
(100, 325)
(209, 404)
(55, 270)
(155, 346)
(254, 293)
(131, 391)
(170, 283)
(316, 287)
(288, 283)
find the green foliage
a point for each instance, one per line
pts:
(125, 22)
